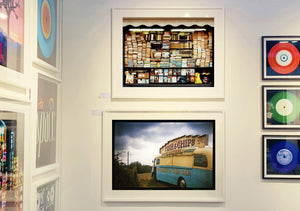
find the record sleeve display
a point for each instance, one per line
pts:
(168, 56)
(281, 157)
(12, 161)
(281, 57)
(281, 107)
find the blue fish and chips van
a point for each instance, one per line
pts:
(186, 162)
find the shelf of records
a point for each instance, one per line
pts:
(11, 169)
(168, 77)
(168, 55)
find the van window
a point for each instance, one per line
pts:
(157, 161)
(200, 160)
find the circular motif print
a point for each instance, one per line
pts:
(283, 156)
(284, 58)
(46, 27)
(286, 107)
(46, 19)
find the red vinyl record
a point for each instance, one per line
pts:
(284, 58)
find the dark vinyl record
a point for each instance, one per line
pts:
(284, 156)
(284, 58)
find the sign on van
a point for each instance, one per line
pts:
(179, 144)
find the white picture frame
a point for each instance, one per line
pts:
(119, 91)
(110, 195)
(15, 85)
(23, 128)
(54, 70)
(53, 166)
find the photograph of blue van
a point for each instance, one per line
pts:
(163, 154)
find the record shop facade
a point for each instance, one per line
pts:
(186, 162)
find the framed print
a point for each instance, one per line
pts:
(12, 34)
(14, 148)
(183, 53)
(47, 118)
(14, 50)
(163, 156)
(48, 35)
(281, 106)
(46, 194)
(281, 157)
(178, 51)
(281, 57)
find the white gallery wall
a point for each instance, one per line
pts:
(87, 88)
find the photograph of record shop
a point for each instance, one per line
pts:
(281, 57)
(166, 77)
(281, 107)
(172, 49)
(281, 157)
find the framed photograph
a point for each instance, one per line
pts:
(163, 156)
(281, 106)
(47, 119)
(15, 156)
(47, 35)
(45, 194)
(14, 50)
(178, 51)
(12, 35)
(281, 157)
(281, 57)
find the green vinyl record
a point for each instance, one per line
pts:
(286, 107)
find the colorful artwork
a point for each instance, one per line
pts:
(281, 57)
(12, 163)
(46, 126)
(184, 54)
(281, 107)
(281, 157)
(163, 154)
(46, 31)
(12, 34)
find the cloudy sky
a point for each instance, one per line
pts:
(144, 138)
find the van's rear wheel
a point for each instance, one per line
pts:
(181, 183)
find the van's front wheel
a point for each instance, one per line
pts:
(181, 183)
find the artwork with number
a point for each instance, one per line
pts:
(281, 107)
(281, 157)
(281, 57)
(46, 197)
(12, 34)
(46, 124)
(47, 31)
(163, 154)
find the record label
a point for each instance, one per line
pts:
(283, 156)
(286, 107)
(284, 58)
(46, 19)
